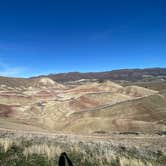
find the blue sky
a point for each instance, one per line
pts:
(41, 37)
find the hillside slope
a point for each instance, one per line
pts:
(142, 115)
(84, 107)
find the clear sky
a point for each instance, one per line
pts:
(52, 36)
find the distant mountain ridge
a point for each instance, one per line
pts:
(122, 74)
(114, 75)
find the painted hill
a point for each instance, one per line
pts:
(86, 102)
(84, 107)
(143, 115)
(47, 82)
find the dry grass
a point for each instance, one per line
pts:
(132, 162)
(82, 151)
(6, 143)
(43, 149)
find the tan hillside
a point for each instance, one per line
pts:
(47, 82)
(137, 91)
(143, 115)
(93, 100)
(107, 86)
(84, 107)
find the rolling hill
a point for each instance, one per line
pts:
(80, 107)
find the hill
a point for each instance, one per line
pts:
(145, 115)
(86, 106)
(45, 104)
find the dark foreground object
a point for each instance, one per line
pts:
(64, 160)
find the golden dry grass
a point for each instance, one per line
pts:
(6, 143)
(95, 152)
(43, 149)
(132, 162)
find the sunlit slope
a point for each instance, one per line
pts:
(87, 108)
(142, 115)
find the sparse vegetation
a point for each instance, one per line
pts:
(30, 150)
